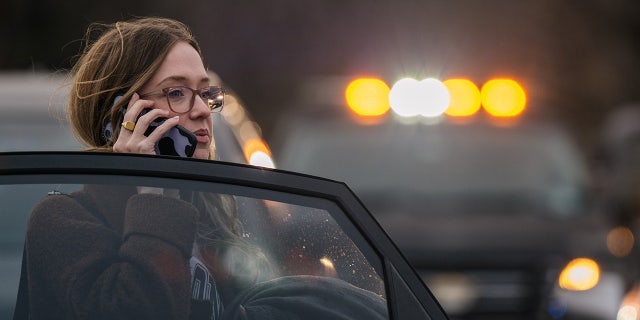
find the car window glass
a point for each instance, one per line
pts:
(297, 235)
(18, 201)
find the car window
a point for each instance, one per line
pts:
(298, 235)
(294, 232)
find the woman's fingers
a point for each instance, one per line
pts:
(132, 137)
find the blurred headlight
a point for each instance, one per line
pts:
(456, 292)
(630, 307)
(580, 274)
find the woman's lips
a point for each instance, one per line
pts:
(202, 135)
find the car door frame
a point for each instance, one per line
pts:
(408, 297)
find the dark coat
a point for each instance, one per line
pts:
(306, 298)
(108, 253)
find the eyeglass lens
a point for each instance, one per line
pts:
(181, 99)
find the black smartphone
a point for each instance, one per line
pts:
(178, 141)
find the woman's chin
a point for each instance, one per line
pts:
(201, 153)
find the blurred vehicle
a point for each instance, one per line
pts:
(619, 169)
(326, 252)
(618, 175)
(32, 109)
(488, 213)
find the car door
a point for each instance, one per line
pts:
(307, 227)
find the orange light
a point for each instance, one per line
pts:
(503, 98)
(620, 241)
(368, 97)
(257, 153)
(580, 274)
(630, 306)
(465, 98)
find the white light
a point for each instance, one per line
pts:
(438, 97)
(628, 313)
(405, 97)
(410, 97)
(261, 159)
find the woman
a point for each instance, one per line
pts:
(109, 252)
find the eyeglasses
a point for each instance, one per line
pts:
(182, 99)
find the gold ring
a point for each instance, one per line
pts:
(129, 125)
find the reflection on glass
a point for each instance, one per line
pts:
(306, 240)
(247, 250)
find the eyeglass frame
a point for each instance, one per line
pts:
(210, 102)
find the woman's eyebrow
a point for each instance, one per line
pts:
(181, 79)
(173, 78)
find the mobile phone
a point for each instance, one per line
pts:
(178, 141)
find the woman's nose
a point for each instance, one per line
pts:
(200, 108)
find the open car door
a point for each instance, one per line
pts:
(317, 236)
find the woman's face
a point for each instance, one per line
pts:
(183, 67)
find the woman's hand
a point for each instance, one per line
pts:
(134, 141)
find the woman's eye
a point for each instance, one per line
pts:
(206, 94)
(175, 93)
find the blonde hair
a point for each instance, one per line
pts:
(122, 59)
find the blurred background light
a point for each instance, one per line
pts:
(620, 241)
(409, 97)
(628, 312)
(465, 97)
(368, 97)
(233, 112)
(630, 306)
(261, 159)
(437, 97)
(457, 292)
(257, 153)
(405, 97)
(557, 308)
(580, 274)
(503, 98)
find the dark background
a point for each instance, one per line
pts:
(578, 59)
